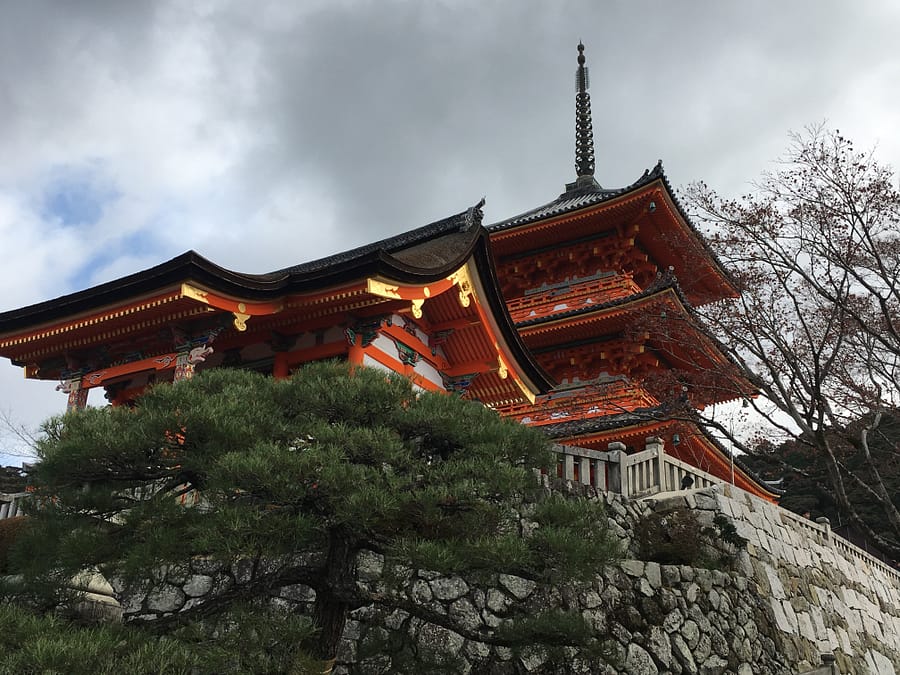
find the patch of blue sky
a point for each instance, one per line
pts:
(77, 195)
(97, 268)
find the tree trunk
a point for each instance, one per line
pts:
(837, 482)
(337, 594)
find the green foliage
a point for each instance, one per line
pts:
(12, 479)
(9, 532)
(553, 627)
(47, 644)
(726, 531)
(677, 537)
(302, 474)
(569, 540)
(670, 538)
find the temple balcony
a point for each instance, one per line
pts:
(564, 296)
(588, 401)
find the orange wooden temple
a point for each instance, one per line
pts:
(575, 317)
(600, 284)
(425, 304)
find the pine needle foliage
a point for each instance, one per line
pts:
(298, 476)
(31, 643)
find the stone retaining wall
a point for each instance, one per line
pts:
(824, 594)
(793, 593)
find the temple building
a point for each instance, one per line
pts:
(575, 317)
(425, 304)
(600, 284)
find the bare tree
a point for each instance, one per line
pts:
(16, 439)
(815, 252)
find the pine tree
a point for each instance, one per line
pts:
(296, 478)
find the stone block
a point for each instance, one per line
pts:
(420, 591)
(639, 662)
(691, 633)
(439, 639)
(448, 588)
(590, 599)
(784, 616)
(673, 621)
(477, 651)
(396, 619)
(706, 500)
(776, 589)
(691, 593)
(683, 654)
(520, 588)
(703, 650)
(369, 566)
(165, 599)
(671, 575)
(297, 593)
(633, 568)
(714, 665)
(198, 585)
(533, 658)
(659, 645)
(465, 614)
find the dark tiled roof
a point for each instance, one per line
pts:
(590, 425)
(575, 199)
(426, 251)
(461, 222)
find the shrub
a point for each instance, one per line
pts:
(677, 537)
(10, 528)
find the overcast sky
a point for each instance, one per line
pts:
(262, 134)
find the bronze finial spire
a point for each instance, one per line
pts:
(584, 130)
(584, 134)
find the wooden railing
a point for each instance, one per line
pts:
(11, 504)
(568, 295)
(582, 401)
(641, 474)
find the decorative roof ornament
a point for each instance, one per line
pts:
(584, 130)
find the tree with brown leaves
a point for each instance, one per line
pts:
(815, 252)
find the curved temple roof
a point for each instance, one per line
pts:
(420, 255)
(426, 255)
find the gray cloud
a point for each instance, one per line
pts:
(264, 134)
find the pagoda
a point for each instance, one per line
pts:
(600, 284)
(425, 304)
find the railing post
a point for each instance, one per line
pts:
(584, 471)
(568, 467)
(617, 482)
(600, 475)
(654, 444)
(11, 504)
(826, 525)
